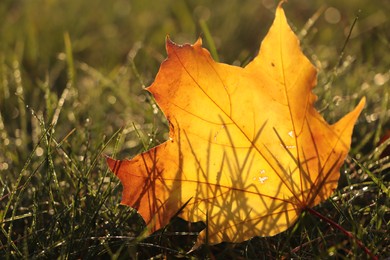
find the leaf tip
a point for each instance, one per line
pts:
(281, 2)
(362, 102)
(279, 9)
(360, 106)
(358, 109)
(168, 39)
(346, 124)
(198, 42)
(168, 43)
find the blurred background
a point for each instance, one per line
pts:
(103, 32)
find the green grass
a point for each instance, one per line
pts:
(72, 75)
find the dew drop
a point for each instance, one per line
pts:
(337, 100)
(288, 146)
(380, 79)
(332, 15)
(262, 179)
(3, 166)
(18, 142)
(39, 151)
(155, 109)
(111, 99)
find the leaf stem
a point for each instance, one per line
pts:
(347, 233)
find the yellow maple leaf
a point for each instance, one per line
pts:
(247, 148)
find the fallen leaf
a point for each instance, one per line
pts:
(247, 148)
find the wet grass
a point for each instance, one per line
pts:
(71, 89)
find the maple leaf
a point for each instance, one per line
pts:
(247, 149)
